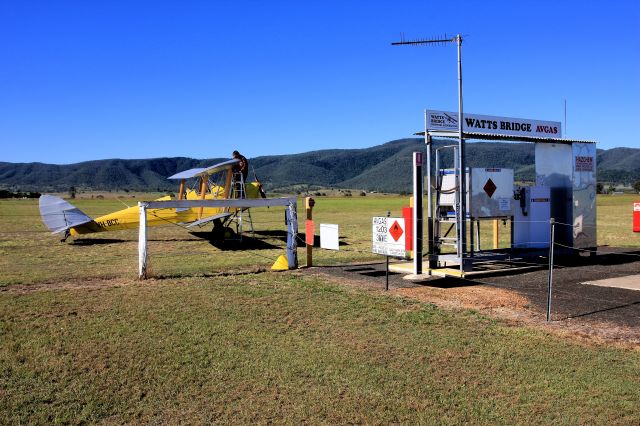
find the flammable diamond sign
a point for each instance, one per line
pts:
(389, 236)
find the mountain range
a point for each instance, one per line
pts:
(385, 167)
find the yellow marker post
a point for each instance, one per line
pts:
(496, 235)
(203, 193)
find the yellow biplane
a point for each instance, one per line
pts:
(218, 182)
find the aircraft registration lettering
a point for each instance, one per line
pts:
(107, 223)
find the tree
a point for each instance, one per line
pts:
(72, 192)
(636, 186)
(600, 188)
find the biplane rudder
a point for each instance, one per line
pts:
(61, 216)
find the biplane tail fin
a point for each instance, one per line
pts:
(59, 215)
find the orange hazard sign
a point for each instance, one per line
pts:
(388, 236)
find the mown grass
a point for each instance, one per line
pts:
(615, 220)
(94, 344)
(285, 348)
(30, 254)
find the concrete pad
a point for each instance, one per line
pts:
(407, 268)
(630, 282)
(418, 277)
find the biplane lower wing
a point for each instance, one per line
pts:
(206, 220)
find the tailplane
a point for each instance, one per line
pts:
(60, 216)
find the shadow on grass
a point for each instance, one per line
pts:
(606, 256)
(282, 235)
(613, 308)
(449, 282)
(208, 274)
(378, 273)
(234, 244)
(97, 241)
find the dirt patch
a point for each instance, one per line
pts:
(587, 313)
(84, 284)
(110, 282)
(590, 314)
(493, 301)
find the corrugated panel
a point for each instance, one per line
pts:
(501, 137)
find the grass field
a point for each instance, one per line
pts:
(84, 341)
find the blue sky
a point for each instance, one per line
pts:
(131, 79)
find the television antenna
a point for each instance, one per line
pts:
(461, 168)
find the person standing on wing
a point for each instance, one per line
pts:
(242, 166)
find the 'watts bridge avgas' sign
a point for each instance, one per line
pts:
(445, 120)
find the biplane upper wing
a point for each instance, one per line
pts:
(59, 215)
(225, 165)
(186, 174)
(205, 171)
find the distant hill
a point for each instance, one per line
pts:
(385, 167)
(619, 165)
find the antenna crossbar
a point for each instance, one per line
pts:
(435, 40)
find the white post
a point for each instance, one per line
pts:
(142, 242)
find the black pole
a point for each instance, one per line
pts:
(387, 275)
(417, 212)
(552, 222)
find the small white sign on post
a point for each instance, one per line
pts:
(389, 236)
(329, 238)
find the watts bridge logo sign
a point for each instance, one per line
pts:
(448, 121)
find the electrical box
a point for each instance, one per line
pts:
(532, 212)
(491, 192)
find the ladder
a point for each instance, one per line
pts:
(447, 217)
(240, 218)
(446, 202)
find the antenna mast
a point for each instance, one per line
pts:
(460, 170)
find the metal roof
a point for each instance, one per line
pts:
(500, 137)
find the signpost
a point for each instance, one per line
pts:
(388, 238)
(445, 120)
